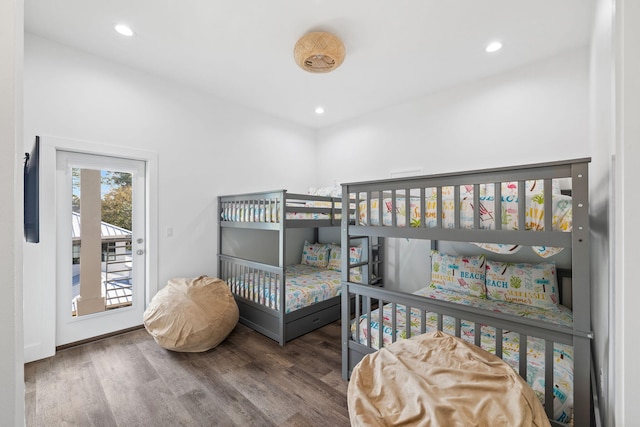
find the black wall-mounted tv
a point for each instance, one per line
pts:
(32, 194)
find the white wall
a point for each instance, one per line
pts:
(532, 114)
(11, 356)
(601, 204)
(206, 147)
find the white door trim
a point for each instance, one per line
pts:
(48, 151)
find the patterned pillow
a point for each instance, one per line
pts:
(316, 254)
(333, 191)
(335, 257)
(462, 274)
(530, 284)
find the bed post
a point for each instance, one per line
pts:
(345, 306)
(581, 294)
(282, 264)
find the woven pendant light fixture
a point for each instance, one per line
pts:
(319, 52)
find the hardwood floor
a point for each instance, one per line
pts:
(248, 380)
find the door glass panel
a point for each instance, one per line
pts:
(101, 240)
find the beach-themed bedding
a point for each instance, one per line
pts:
(563, 355)
(272, 212)
(438, 380)
(534, 217)
(305, 285)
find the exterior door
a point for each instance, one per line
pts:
(101, 253)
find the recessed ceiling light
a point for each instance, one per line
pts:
(493, 47)
(319, 110)
(124, 30)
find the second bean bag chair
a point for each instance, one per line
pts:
(191, 315)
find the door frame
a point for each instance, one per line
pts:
(49, 146)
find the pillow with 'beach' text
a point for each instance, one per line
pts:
(458, 273)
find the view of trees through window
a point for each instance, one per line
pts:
(115, 194)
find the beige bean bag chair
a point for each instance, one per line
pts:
(438, 380)
(191, 315)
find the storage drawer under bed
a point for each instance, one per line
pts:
(300, 322)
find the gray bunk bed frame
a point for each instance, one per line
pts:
(579, 336)
(276, 324)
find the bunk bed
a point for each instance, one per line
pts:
(310, 298)
(545, 342)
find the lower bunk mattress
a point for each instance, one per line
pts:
(305, 285)
(563, 354)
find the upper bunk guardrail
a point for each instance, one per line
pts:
(274, 209)
(443, 206)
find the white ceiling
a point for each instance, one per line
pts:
(242, 50)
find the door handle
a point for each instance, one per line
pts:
(140, 252)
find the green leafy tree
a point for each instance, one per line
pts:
(117, 207)
(116, 204)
